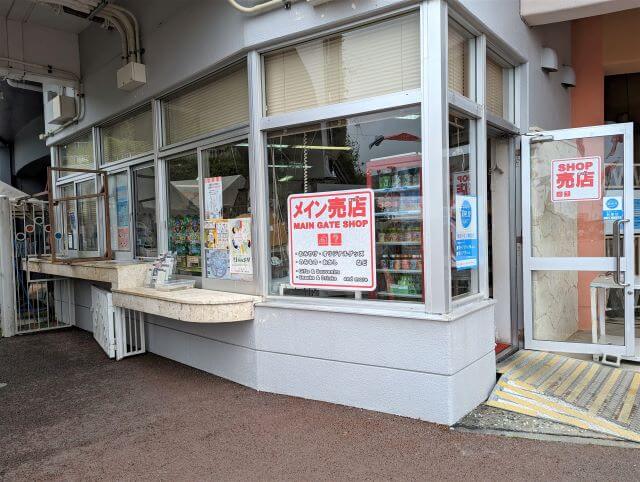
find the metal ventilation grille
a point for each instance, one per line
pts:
(375, 60)
(129, 137)
(220, 102)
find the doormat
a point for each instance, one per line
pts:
(579, 393)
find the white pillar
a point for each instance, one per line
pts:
(7, 281)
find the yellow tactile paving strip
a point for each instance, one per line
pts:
(580, 393)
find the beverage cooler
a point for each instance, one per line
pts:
(397, 184)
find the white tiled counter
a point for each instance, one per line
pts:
(192, 305)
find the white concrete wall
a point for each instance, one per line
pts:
(426, 369)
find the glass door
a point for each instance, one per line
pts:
(578, 240)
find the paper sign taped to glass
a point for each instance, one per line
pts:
(576, 179)
(466, 232)
(240, 257)
(213, 197)
(332, 241)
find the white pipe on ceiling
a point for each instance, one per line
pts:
(263, 7)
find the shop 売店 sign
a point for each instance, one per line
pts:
(332, 241)
(577, 179)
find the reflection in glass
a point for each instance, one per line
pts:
(227, 207)
(119, 211)
(464, 202)
(564, 303)
(87, 217)
(184, 213)
(379, 151)
(144, 184)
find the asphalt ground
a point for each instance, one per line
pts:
(69, 413)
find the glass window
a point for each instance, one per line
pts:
(144, 191)
(69, 224)
(461, 61)
(184, 213)
(211, 105)
(77, 153)
(464, 207)
(499, 88)
(379, 151)
(364, 62)
(87, 217)
(119, 211)
(129, 137)
(227, 207)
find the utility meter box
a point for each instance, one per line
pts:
(61, 109)
(132, 76)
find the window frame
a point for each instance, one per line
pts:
(57, 157)
(133, 198)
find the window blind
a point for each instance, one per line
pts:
(77, 153)
(457, 65)
(129, 137)
(374, 60)
(68, 214)
(495, 88)
(87, 217)
(218, 103)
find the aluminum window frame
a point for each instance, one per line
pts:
(261, 124)
(133, 198)
(57, 158)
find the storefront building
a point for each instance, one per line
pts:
(245, 121)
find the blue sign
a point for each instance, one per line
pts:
(466, 256)
(612, 208)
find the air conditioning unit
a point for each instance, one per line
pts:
(132, 76)
(61, 109)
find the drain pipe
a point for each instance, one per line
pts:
(263, 7)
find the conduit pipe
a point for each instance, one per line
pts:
(23, 85)
(263, 7)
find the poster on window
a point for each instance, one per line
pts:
(240, 258)
(577, 179)
(332, 240)
(461, 183)
(217, 263)
(216, 234)
(212, 197)
(466, 232)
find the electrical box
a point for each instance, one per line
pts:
(132, 76)
(61, 109)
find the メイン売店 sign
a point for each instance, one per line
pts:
(332, 241)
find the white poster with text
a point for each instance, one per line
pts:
(332, 240)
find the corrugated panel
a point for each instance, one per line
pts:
(129, 137)
(495, 88)
(78, 152)
(375, 60)
(218, 103)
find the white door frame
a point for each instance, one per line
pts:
(624, 263)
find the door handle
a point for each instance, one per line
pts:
(617, 275)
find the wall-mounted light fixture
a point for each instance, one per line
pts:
(567, 76)
(549, 60)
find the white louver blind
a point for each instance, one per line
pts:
(87, 217)
(495, 88)
(68, 216)
(77, 153)
(365, 62)
(458, 58)
(218, 103)
(129, 137)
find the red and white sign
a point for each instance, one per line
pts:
(332, 240)
(576, 179)
(461, 182)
